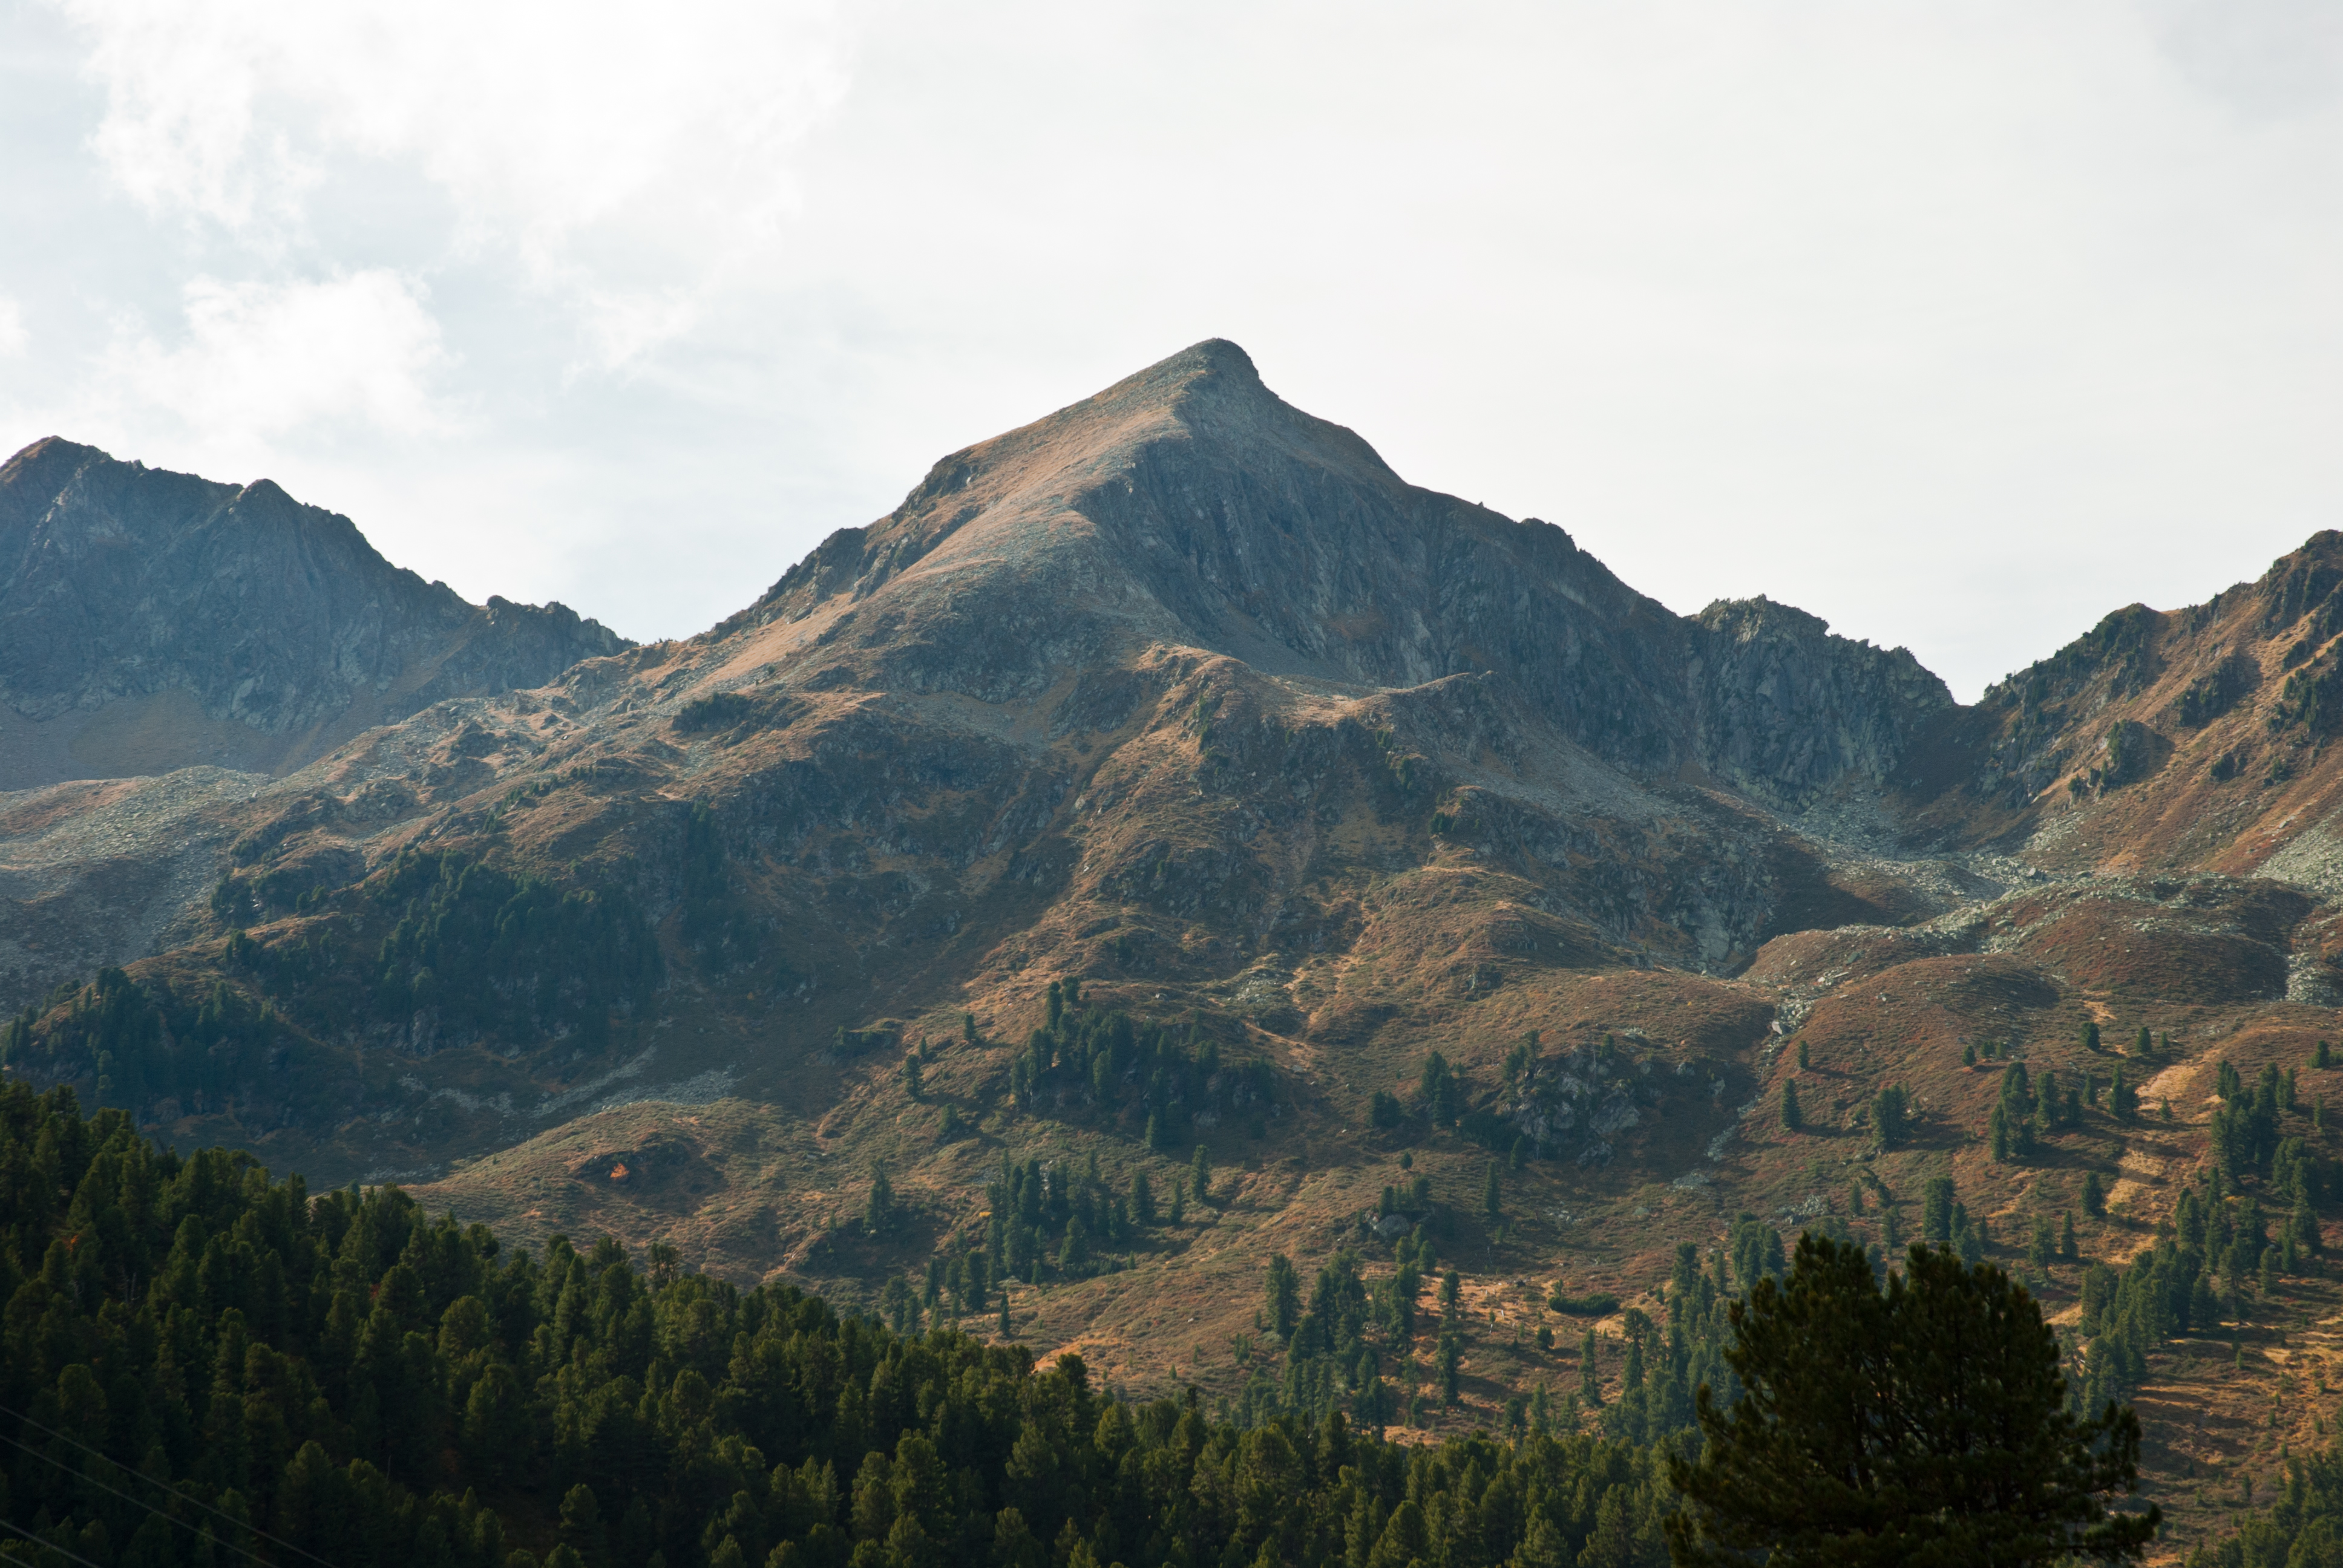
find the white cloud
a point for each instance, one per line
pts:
(260, 361)
(12, 328)
(625, 162)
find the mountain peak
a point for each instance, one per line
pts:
(151, 621)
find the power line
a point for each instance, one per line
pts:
(48, 1545)
(88, 1479)
(176, 1496)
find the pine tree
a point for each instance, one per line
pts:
(2095, 1196)
(2321, 1057)
(1179, 1201)
(2042, 1246)
(1143, 1199)
(1590, 1381)
(1282, 1309)
(1891, 1110)
(2143, 1044)
(879, 1217)
(1200, 1175)
(1791, 1118)
(911, 1075)
(1998, 1136)
(1493, 1201)
(1936, 1211)
(1968, 1054)
(1815, 1463)
(2067, 1248)
(2123, 1100)
(1803, 1062)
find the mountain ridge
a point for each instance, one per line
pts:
(1182, 696)
(150, 619)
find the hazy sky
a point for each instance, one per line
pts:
(1959, 324)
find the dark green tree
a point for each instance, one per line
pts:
(1891, 1112)
(1792, 1117)
(1922, 1423)
(1937, 1210)
(1283, 1306)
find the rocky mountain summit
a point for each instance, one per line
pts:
(151, 621)
(1167, 771)
(1188, 506)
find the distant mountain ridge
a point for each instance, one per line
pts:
(152, 620)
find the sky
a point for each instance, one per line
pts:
(1959, 325)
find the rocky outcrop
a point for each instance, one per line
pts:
(246, 620)
(1782, 707)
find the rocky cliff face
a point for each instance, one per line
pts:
(171, 620)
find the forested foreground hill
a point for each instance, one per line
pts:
(203, 1366)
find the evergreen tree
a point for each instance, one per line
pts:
(1924, 1421)
(1997, 1135)
(2067, 1247)
(1590, 1379)
(878, 1215)
(2095, 1196)
(911, 1075)
(2042, 1246)
(1890, 1112)
(1803, 1062)
(1493, 1201)
(1791, 1118)
(1200, 1175)
(1936, 1211)
(1143, 1199)
(1283, 1308)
